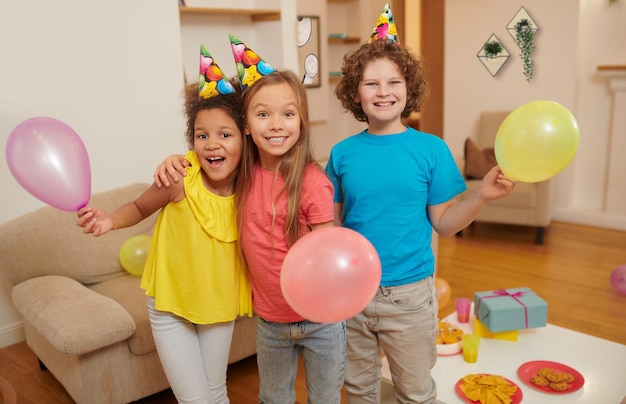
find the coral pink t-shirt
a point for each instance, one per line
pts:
(263, 234)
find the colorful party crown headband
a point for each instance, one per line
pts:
(212, 81)
(250, 66)
(385, 27)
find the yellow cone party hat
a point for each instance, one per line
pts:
(385, 27)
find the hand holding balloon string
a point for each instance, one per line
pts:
(495, 185)
(94, 221)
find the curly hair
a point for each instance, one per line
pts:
(230, 103)
(410, 66)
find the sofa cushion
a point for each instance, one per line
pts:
(71, 317)
(478, 162)
(126, 291)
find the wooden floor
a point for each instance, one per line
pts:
(571, 271)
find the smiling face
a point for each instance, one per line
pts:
(218, 143)
(382, 93)
(273, 121)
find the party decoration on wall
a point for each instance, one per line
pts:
(308, 41)
(250, 66)
(444, 292)
(49, 160)
(330, 274)
(493, 55)
(134, 253)
(522, 28)
(618, 279)
(536, 141)
(212, 81)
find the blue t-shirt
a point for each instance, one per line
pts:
(385, 183)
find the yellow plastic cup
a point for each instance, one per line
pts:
(470, 344)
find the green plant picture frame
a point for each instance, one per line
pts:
(523, 29)
(493, 55)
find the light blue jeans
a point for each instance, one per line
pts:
(323, 347)
(194, 356)
(402, 320)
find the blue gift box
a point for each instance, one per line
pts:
(510, 309)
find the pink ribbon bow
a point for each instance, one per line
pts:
(504, 292)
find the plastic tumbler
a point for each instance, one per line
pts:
(470, 343)
(463, 305)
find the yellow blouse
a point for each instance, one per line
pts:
(194, 268)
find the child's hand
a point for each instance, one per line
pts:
(172, 165)
(94, 221)
(496, 185)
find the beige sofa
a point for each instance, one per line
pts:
(85, 317)
(530, 204)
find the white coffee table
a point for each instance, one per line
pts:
(601, 362)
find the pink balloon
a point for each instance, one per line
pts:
(50, 161)
(618, 279)
(330, 274)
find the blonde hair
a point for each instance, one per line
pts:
(291, 166)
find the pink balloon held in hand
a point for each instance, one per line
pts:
(48, 159)
(330, 274)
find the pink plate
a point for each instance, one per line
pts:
(516, 398)
(530, 369)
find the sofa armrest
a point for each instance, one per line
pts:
(545, 202)
(73, 318)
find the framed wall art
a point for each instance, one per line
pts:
(493, 55)
(308, 41)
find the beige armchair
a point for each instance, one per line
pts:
(530, 204)
(85, 317)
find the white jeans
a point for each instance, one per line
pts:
(194, 356)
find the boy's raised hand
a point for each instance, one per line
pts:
(496, 185)
(94, 221)
(172, 165)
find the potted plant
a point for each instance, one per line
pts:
(492, 49)
(524, 36)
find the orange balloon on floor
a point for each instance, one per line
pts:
(443, 292)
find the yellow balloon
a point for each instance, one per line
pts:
(134, 253)
(536, 141)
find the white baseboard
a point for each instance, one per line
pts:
(590, 218)
(11, 334)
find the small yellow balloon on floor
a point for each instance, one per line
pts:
(134, 253)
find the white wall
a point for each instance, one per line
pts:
(102, 68)
(602, 41)
(111, 70)
(574, 37)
